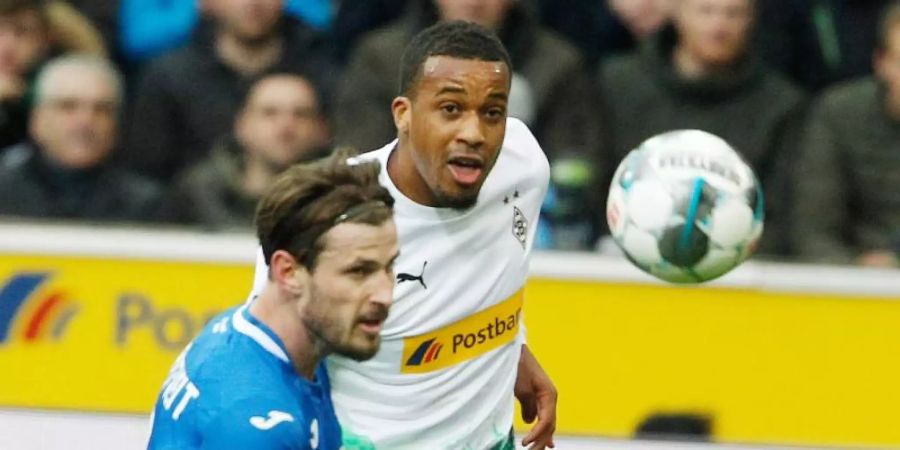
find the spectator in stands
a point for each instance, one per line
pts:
(189, 98)
(606, 27)
(104, 15)
(148, 28)
(700, 73)
(819, 42)
(848, 174)
(354, 18)
(63, 170)
(30, 30)
(280, 123)
(551, 90)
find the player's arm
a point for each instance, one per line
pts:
(239, 428)
(537, 395)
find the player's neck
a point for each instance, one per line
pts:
(300, 345)
(403, 173)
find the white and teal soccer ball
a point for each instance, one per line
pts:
(685, 207)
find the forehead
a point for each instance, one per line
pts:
(279, 90)
(79, 82)
(439, 71)
(347, 242)
(286, 91)
(742, 4)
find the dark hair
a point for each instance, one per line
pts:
(456, 39)
(8, 7)
(890, 17)
(306, 200)
(268, 75)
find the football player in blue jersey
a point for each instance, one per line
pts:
(253, 379)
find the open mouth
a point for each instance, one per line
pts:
(372, 323)
(466, 169)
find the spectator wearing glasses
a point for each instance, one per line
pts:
(62, 171)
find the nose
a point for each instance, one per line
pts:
(471, 131)
(384, 290)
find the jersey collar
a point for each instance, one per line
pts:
(250, 326)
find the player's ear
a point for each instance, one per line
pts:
(285, 270)
(400, 108)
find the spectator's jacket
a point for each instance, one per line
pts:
(210, 194)
(755, 109)
(30, 186)
(188, 99)
(848, 176)
(13, 122)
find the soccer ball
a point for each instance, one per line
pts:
(684, 207)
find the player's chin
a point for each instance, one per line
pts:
(459, 198)
(360, 351)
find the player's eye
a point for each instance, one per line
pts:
(496, 113)
(360, 271)
(450, 108)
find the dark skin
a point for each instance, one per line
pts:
(450, 129)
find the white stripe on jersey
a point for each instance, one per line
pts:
(253, 332)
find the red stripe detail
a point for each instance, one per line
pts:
(430, 354)
(36, 324)
(438, 352)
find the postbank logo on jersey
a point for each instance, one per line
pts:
(463, 340)
(42, 312)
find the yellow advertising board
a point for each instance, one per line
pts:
(99, 334)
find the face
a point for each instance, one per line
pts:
(641, 17)
(75, 119)
(887, 67)
(247, 20)
(352, 288)
(715, 32)
(455, 123)
(487, 13)
(23, 42)
(281, 123)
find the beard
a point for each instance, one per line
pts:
(458, 202)
(336, 337)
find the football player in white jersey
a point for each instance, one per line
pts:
(468, 184)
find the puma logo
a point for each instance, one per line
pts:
(402, 277)
(273, 419)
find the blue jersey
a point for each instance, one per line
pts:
(234, 387)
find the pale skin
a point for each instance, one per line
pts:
(450, 130)
(641, 17)
(75, 119)
(712, 35)
(339, 306)
(246, 36)
(280, 124)
(23, 42)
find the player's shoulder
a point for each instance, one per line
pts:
(224, 358)
(379, 154)
(267, 421)
(522, 152)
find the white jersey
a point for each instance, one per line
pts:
(444, 375)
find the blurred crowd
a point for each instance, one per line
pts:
(182, 112)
